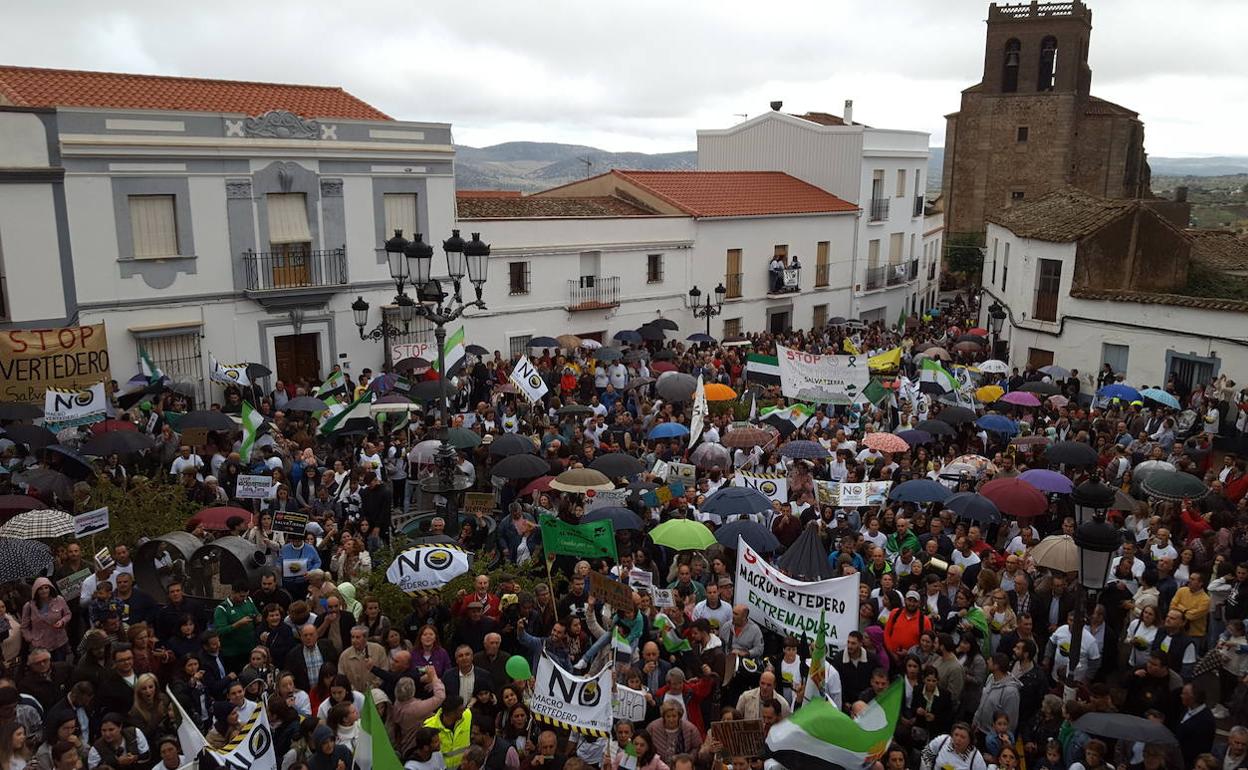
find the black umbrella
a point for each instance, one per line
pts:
(627, 335)
(574, 410)
(543, 342)
(1071, 453)
(651, 333)
(47, 480)
(955, 415)
(836, 320)
(412, 365)
(34, 436)
(783, 425)
(608, 354)
(476, 350)
(664, 355)
(258, 372)
(617, 464)
(24, 559)
(665, 323)
(639, 382)
(305, 404)
(807, 558)
(509, 444)
(426, 390)
(735, 501)
(128, 400)
(755, 535)
(122, 442)
(974, 506)
(10, 410)
(1046, 388)
(620, 517)
(637, 488)
(1125, 727)
(937, 428)
(69, 462)
(521, 466)
(208, 420)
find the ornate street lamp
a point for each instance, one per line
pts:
(707, 311)
(1097, 540)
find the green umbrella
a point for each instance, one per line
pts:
(683, 535)
(462, 438)
(1174, 485)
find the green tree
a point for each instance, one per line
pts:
(964, 254)
(146, 509)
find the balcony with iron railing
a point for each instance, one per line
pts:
(919, 203)
(593, 292)
(896, 274)
(913, 273)
(787, 280)
(931, 270)
(875, 278)
(878, 211)
(295, 270)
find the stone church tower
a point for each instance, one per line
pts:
(1031, 124)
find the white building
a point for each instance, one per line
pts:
(197, 216)
(1086, 282)
(883, 171)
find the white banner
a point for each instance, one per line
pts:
(779, 603)
(629, 704)
(581, 704)
(427, 567)
(252, 748)
(254, 487)
(74, 408)
(853, 494)
(800, 371)
(699, 412)
(229, 374)
(90, 523)
(605, 498)
(402, 350)
(526, 377)
(774, 485)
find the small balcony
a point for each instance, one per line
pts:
(787, 280)
(875, 278)
(913, 272)
(919, 203)
(593, 292)
(896, 274)
(295, 270)
(878, 211)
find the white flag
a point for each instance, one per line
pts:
(526, 377)
(72, 408)
(252, 748)
(229, 374)
(189, 736)
(698, 418)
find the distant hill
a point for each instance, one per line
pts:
(1223, 165)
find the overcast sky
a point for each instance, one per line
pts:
(645, 74)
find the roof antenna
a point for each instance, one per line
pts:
(589, 165)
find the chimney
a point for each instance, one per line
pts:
(848, 117)
(1180, 194)
(775, 106)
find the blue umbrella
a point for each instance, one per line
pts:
(620, 517)
(735, 501)
(915, 437)
(700, 337)
(543, 342)
(919, 491)
(668, 430)
(1120, 391)
(1161, 397)
(754, 534)
(998, 424)
(974, 506)
(804, 450)
(628, 335)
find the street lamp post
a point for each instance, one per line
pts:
(1097, 541)
(400, 273)
(707, 311)
(996, 319)
(414, 261)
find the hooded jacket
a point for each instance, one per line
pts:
(39, 625)
(998, 695)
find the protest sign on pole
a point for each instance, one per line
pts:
(33, 360)
(74, 408)
(528, 380)
(612, 592)
(846, 375)
(254, 487)
(663, 597)
(290, 522)
(605, 498)
(90, 523)
(791, 607)
(774, 485)
(629, 704)
(581, 704)
(427, 567)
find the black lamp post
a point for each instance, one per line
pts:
(400, 273)
(1097, 541)
(415, 264)
(707, 311)
(996, 319)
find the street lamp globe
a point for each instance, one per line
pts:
(695, 294)
(477, 255)
(720, 293)
(1097, 541)
(1092, 500)
(454, 248)
(359, 310)
(407, 309)
(394, 257)
(419, 256)
(996, 317)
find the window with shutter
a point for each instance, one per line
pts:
(288, 220)
(153, 226)
(400, 214)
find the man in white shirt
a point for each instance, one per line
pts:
(1058, 652)
(186, 461)
(717, 612)
(617, 375)
(1162, 548)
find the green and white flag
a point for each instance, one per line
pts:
(148, 367)
(358, 408)
(252, 420)
(797, 414)
(672, 641)
(335, 384)
(932, 371)
(453, 351)
(762, 369)
(819, 736)
(373, 749)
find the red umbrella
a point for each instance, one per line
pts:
(214, 518)
(978, 331)
(12, 505)
(537, 485)
(1016, 497)
(662, 366)
(110, 425)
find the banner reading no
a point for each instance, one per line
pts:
(69, 358)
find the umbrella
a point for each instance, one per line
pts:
(617, 464)
(977, 508)
(936, 352)
(735, 501)
(747, 436)
(509, 444)
(24, 559)
(1057, 552)
(967, 347)
(108, 426)
(215, 519)
(1161, 397)
(1148, 468)
(70, 462)
(993, 366)
(1174, 485)
(35, 437)
(970, 338)
(676, 386)
(47, 480)
(423, 452)
(936, 428)
(12, 504)
(521, 466)
(667, 430)
(627, 335)
(978, 462)
(619, 516)
(569, 341)
(1125, 727)
(257, 372)
(663, 367)
(10, 410)
(574, 410)
(590, 343)
(734, 342)
(608, 354)
(1030, 441)
(208, 420)
(682, 535)
(989, 393)
(477, 350)
(915, 437)
(711, 455)
(1058, 401)
(807, 450)
(122, 442)
(1048, 481)
(462, 438)
(754, 534)
(1123, 501)
(426, 390)
(997, 423)
(651, 333)
(543, 342)
(1071, 453)
(701, 337)
(307, 404)
(836, 320)
(1015, 497)
(637, 488)
(1056, 372)
(955, 415)
(1119, 391)
(1043, 388)
(1021, 398)
(919, 491)
(719, 392)
(807, 558)
(537, 486)
(665, 323)
(886, 442)
(978, 331)
(639, 382)
(580, 480)
(38, 525)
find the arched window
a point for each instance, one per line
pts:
(1048, 64)
(1009, 77)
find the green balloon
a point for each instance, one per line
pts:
(518, 668)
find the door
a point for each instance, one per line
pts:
(778, 323)
(595, 336)
(290, 265)
(1038, 357)
(298, 356)
(1191, 371)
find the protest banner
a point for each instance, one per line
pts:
(799, 370)
(290, 522)
(774, 485)
(74, 408)
(663, 597)
(528, 380)
(402, 350)
(479, 503)
(612, 592)
(779, 603)
(254, 487)
(606, 498)
(827, 492)
(581, 704)
(864, 493)
(661, 470)
(427, 567)
(629, 704)
(71, 584)
(251, 748)
(640, 579)
(194, 437)
(90, 523)
(588, 541)
(739, 738)
(33, 360)
(684, 472)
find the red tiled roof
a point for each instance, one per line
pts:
(1099, 106)
(1219, 249)
(1157, 298)
(487, 193)
(37, 87)
(507, 207)
(736, 193)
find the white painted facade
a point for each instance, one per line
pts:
(859, 164)
(1147, 340)
(929, 259)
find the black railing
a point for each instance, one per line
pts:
(593, 292)
(295, 269)
(875, 277)
(823, 274)
(879, 209)
(896, 274)
(732, 282)
(918, 205)
(931, 270)
(784, 281)
(914, 270)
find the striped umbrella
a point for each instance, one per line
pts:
(38, 525)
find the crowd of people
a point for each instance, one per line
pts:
(957, 611)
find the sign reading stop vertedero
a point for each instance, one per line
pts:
(68, 358)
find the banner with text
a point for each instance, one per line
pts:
(427, 567)
(74, 408)
(629, 704)
(840, 375)
(606, 498)
(793, 607)
(528, 380)
(774, 485)
(90, 522)
(402, 350)
(853, 494)
(581, 704)
(33, 360)
(254, 487)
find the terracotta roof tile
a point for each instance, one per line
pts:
(37, 87)
(1219, 249)
(736, 193)
(1061, 216)
(1156, 298)
(516, 207)
(1099, 106)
